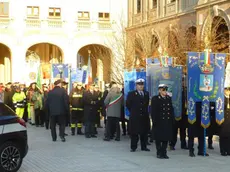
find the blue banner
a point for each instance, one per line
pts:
(205, 85)
(129, 83)
(172, 77)
(60, 71)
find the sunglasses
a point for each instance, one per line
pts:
(164, 89)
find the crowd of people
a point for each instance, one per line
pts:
(151, 118)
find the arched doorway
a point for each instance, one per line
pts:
(5, 64)
(191, 40)
(100, 57)
(219, 35)
(47, 52)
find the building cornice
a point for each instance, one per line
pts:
(198, 7)
(160, 20)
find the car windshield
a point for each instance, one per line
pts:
(5, 110)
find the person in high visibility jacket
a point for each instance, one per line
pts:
(77, 114)
(19, 101)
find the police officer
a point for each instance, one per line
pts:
(90, 101)
(224, 133)
(163, 120)
(77, 114)
(137, 103)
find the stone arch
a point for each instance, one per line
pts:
(101, 60)
(46, 51)
(5, 63)
(218, 12)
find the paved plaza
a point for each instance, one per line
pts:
(79, 154)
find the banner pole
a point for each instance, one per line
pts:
(204, 142)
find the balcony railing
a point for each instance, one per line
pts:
(84, 24)
(4, 22)
(55, 23)
(33, 23)
(104, 25)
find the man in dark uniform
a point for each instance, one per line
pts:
(8, 95)
(58, 107)
(224, 132)
(181, 124)
(137, 103)
(99, 108)
(90, 101)
(103, 112)
(163, 120)
(77, 114)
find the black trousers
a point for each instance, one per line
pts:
(98, 119)
(135, 139)
(57, 119)
(39, 117)
(200, 144)
(113, 124)
(210, 140)
(182, 135)
(124, 127)
(89, 128)
(161, 147)
(77, 118)
(224, 144)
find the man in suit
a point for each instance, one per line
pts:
(163, 119)
(137, 103)
(57, 106)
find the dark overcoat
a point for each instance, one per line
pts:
(163, 117)
(139, 114)
(90, 101)
(225, 127)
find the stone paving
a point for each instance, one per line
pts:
(79, 154)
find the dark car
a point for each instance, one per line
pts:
(13, 140)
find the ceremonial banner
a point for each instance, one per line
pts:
(60, 71)
(129, 83)
(46, 71)
(205, 85)
(76, 75)
(164, 73)
(31, 71)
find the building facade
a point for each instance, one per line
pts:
(57, 29)
(162, 24)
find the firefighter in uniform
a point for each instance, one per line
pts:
(99, 108)
(137, 103)
(163, 120)
(19, 101)
(76, 103)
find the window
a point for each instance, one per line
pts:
(5, 110)
(83, 15)
(154, 3)
(138, 6)
(32, 11)
(103, 16)
(4, 9)
(55, 12)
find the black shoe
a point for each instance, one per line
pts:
(63, 139)
(224, 154)
(93, 136)
(191, 154)
(65, 134)
(228, 153)
(145, 149)
(159, 156)
(117, 139)
(133, 150)
(87, 136)
(106, 139)
(54, 140)
(210, 147)
(184, 147)
(165, 157)
(202, 154)
(151, 140)
(73, 134)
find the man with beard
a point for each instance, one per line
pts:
(163, 118)
(137, 103)
(77, 114)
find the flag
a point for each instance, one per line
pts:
(89, 71)
(39, 77)
(207, 57)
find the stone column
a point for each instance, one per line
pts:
(100, 70)
(7, 69)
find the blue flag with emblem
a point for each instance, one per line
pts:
(205, 84)
(162, 72)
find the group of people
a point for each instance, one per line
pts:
(151, 118)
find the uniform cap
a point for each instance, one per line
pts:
(140, 81)
(9, 83)
(58, 82)
(162, 86)
(64, 83)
